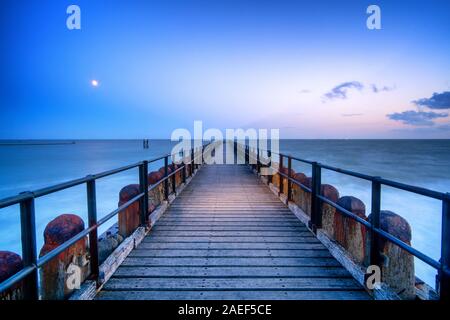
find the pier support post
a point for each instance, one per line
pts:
(10, 264)
(156, 195)
(329, 212)
(397, 265)
(348, 232)
(57, 276)
(129, 218)
(301, 197)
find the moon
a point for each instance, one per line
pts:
(94, 83)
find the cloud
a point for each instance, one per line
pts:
(304, 91)
(352, 114)
(437, 101)
(416, 118)
(377, 89)
(444, 127)
(340, 91)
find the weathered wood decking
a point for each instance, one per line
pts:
(226, 236)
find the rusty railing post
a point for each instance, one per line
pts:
(247, 155)
(192, 162)
(235, 151)
(184, 170)
(375, 222)
(289, 184)
(29, 256)
(280, 175)
(316, 212)
(444, 273)
(166, 180)
(257, 156)
(202, 157)
(143, 186)
(92, 221)
(174, 178)
(269, 154)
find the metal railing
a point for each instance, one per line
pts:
(28, 275)
(376, 232)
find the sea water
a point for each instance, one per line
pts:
(30, 165)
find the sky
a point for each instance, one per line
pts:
(309, 68)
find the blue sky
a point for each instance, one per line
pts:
(310, 68)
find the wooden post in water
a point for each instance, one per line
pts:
(397, 265)
(349, 233)
(10, 264)
(61, 276)
(129, 219)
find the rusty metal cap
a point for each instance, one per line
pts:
(10, 264)
(63, 228)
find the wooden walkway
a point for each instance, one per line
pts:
(227, 236)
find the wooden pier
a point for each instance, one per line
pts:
(227, 236)
(191, 230)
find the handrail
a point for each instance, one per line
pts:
(414, 189)
(443, 265)
(28, 273)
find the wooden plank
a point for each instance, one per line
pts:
(242, 253)
(236, 219)
(232, 209)
(87, 291)
(289, 234)
(165, 238)
(199, 200)
(232, 213)
(221, 209)
(227, 272)
(186, 227)
(233, 295)
(230, 245)
(232, 283)
(213, 223)
(110, 265)
(247, 261)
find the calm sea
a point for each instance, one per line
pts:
(424, 163)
